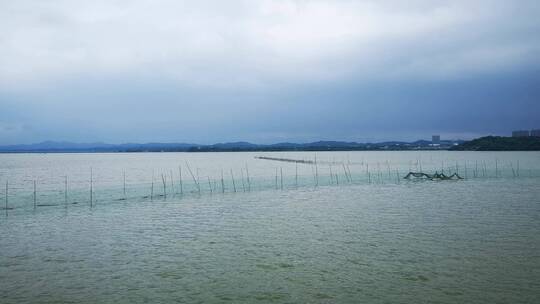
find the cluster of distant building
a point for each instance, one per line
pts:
(526, 133)
(438, 144)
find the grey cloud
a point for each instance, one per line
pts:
(204, 71)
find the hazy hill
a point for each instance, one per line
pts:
(498, 143)
(52, 146)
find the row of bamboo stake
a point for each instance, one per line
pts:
(278, 181)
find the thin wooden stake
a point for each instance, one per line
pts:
(276, 180)
(513, 172)
(198, 183)
(345, 172)
(442, 167)
(194, 179)
(164, 186)
(316, 172)
(65, 191)
(172, 182)
(210, 185)
(124, 174)
(233, 183)
(7, 187)
(242, 177)
(222, 182)
(281, 177)
(180, 179)
(248, 180)
(296, 175)
(35, 201)
(152, 188)
(91, 188)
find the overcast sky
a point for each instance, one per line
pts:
(266, 71)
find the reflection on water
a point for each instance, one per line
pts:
(378, 240)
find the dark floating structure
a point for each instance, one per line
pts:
(436, 176)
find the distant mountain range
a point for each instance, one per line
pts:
(53, 146)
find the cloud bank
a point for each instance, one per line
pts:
(210, 70)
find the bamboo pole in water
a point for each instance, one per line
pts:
(513, 172)
(349, 170)
(152, 187)
(496, 167)
(442, 166)
(124, 174)
(517, 171)
(276, 180)
(195, 180)
(379, 172)
(281, 177)
(180, 180)
(247, 177)
(345, 172)
(91, 188)
(316, 172)
(233, 183)
(198, 181)
(164, 186)
(65, 191)
(397, 176)
(210, 185)
(242, 177)
(222, 182)
(35, 200)
(172, 182)
(7, 188)
(331, 175)
(296, 175)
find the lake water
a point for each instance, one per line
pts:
(349, 229)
